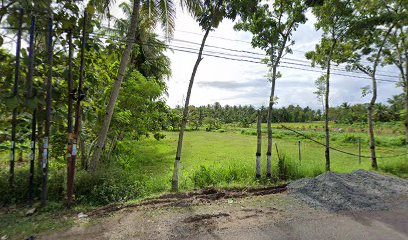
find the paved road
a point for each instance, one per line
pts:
(265, 217)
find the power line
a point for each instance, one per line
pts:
(255, 53)
(284, 66)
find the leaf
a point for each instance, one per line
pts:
(11, 102)
(32, 103)
(90, 9)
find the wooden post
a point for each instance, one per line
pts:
(259, 146)
(44, 193)
(30, 96)
(300, 153)
(15, 95)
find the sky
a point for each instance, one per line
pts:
(243, 83)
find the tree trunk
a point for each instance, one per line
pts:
(373, 100)
(259, 146)
(70, 127)
(74, 137)
(15, 94)
(406, 98)
(34, 111)
(185, 114)
(116, 87)
(371, 126)
(84, 156)
(326, 118)
(269, 122)
(40, 136)
(44, 193)
(327, 107)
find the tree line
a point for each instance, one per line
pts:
(213, 116)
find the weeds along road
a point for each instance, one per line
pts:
(276, 216)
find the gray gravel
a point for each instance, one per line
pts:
(358, 190)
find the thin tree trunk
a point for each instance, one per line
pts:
(71, 137)
(15, 95)
(185, 114)
(406, 97)
(34, 113)
(259, 146)
(40, 136)
(79, 98)
(84, 159)
(327, 107)
(269, 123)
(44, 193)
(373, 100)
(371, 125)
(116, 87)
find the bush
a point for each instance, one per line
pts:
(103, 187)
(19, 194)
(203, 177)
(348, 138)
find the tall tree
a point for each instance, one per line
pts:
(333, 17)
(209, 18)
(15, 95)
(396, 48)
(272, 26)
(368, 35)
(166, 8)
(30, 97)
(48, 99)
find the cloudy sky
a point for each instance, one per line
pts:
(236, 82)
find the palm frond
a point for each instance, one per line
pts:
(166, 14)
(193, 7)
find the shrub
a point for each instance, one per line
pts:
(103, 187)
(203, 177)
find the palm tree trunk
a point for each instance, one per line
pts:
(116, 87)
(259, 145)
(185, 114)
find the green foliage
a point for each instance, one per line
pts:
(212, 124)
(105, 186)
(20, 192)
(203, 177)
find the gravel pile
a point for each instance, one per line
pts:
(359, 190)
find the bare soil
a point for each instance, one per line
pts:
(236, 214)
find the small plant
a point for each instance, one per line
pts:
(203, 177)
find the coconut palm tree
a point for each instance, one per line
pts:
(162, 10)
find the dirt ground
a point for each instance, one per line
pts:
(257, 216)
